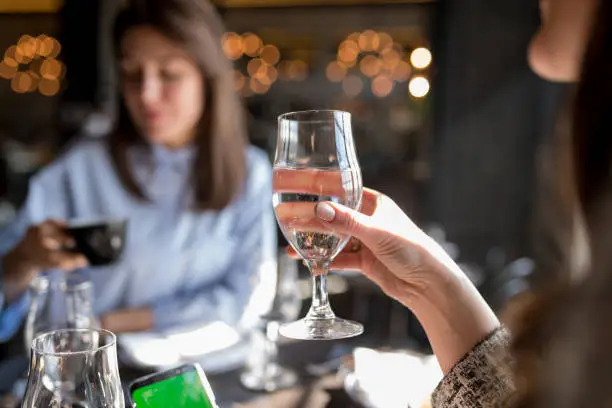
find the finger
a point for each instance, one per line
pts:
(299, 216)
(344, 221)
(369, 201)
(308, 181)
(66, 261)
(53, 233)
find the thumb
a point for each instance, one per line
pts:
(343, 220)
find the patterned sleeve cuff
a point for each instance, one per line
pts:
(481, 379)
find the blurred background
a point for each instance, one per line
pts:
(448, 119)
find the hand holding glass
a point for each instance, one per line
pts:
(315, 162)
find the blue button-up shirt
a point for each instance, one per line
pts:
(190, 267)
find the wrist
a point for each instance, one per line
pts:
(16, 275)
(454, 315)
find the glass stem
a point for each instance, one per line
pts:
(320, 307)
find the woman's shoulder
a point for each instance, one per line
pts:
(78, 155)
(258, 165)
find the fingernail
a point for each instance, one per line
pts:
(325, 211)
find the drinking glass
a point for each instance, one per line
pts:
(263, 371)
(59, 302)
(315, 162)
(74, 368)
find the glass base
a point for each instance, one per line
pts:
(270, 379)
(321, 329)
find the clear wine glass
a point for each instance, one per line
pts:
(74, 368)
(315, 162)
(263, 371)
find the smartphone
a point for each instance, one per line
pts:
(182, 387)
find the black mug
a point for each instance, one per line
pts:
(101, 242)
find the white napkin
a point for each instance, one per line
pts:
(396, 379)
(164, 350)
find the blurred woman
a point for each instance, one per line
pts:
(178, 168)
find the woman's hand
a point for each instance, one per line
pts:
(399, 257)
(43, 247)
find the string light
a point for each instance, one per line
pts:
(254, 66)
(51, 69)
(49, 47)
(421, 58)
(48, 87)
(21, 82)
(369, 40)
(270, 54)
(251, 44)
(382, 86)
(370, 65)
(418, 87)
(44, 71)
(385, 41)
(348, 51)
(258, 87)
(8, 68)
(232, 45)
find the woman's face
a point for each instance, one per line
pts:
(557, 48)
(162, 87)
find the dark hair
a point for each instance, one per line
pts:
(219, 166)
(562, 335)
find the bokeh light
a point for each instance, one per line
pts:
(49, 47)
(254, 66)
(21, 82)
(390, 58)
(385, 41)
(232, 45)
(369, 40)
(28, 46)
(401, 72)
(421, 58)
(335, 71)
(251, 44)
(419, 87)
(258, 87)
(51, 69)
(352, 85)
(382, 86)
(270, 54)
(8, 68)
(370, 65)
(48, 87)
(348, 51)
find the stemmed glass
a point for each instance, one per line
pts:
(315, 162)
(264, 372)
(74, 368)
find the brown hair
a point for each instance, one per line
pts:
(563, 334)
(219, 167)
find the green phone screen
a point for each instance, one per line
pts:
(184, 391)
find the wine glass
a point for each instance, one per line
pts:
(315, 162)
(59, 303)
(263, 371)
(74, 368)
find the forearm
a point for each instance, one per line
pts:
(454, 316)
(128, 320)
